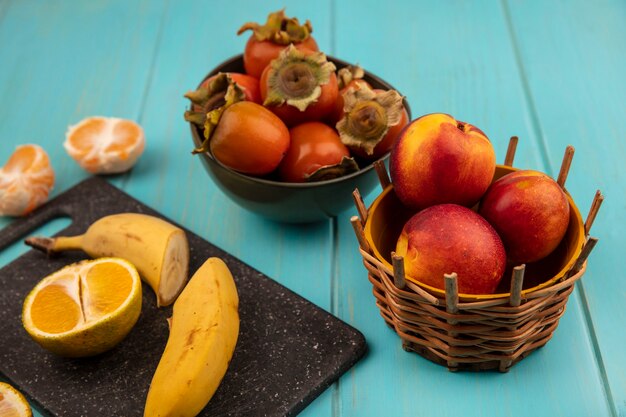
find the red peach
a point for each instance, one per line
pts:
(448, 238)
(530, 212)
(437, 159)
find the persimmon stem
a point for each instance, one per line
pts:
(44, 244)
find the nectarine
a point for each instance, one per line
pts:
(437, 159)
(530, 212)
(448, 238)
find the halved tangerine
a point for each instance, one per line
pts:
(85, 308)
(105, 145)
(13, 403)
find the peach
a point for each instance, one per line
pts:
(448, 238)
(530, 212)
(437, 159)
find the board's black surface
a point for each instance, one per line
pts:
(288, 351)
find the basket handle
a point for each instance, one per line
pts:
(517, 281)
(510, 151)
(452, 294)
(593, 211)
(565, 166)
(584, 254)
(360, 235)
(381, 171)
(398, 271)
(360, 205)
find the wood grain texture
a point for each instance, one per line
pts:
(460, 60)
(572, 55)
(548, 72)
(65, 61)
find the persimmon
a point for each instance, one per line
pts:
(250, 139)
(214, 92)
(315, 148)
(299, 86)
(372, 121)
(347, 77)
(388, 140)
(242, 135)
(268, 40)
(248, 84)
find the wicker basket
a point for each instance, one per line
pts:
(471, 332)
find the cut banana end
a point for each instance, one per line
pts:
(174, 270)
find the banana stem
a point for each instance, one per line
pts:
(53, 245)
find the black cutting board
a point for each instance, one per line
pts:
(288, 351)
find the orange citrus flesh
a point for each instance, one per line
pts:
(21, 160)
(85, 308)
(12, 402)
(126, 134)
(25, 180)
(86, 136)
(105, 287)
(54, 310)
(105, 145)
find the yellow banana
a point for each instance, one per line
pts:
(203, 333)
(158, 249)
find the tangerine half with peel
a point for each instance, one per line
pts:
(85, 308)
(105, 145)
(13, 403)
(25, 181)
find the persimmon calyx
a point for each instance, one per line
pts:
(279, 29)
(296, 78)
(327, 172)
(220, 94)
(368, 115)
(348, 74)
(211, 96)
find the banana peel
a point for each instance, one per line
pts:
(158, 249)
(204, 329)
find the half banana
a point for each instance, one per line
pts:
(158, 249)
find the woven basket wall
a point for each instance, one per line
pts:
(481, 335)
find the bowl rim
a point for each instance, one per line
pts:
(196, 135)
(294, 185)
(480, 297)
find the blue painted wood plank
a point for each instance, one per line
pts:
(573, 58)
(63, 61)
(457, 58)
